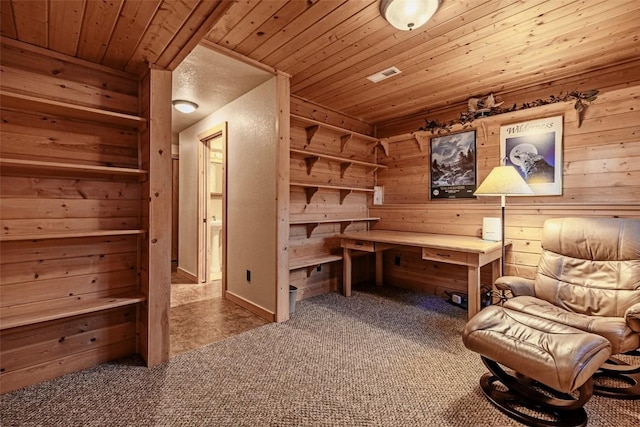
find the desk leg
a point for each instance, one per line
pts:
(473, 299)
(379, 268)
(346, 272)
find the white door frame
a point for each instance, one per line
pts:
(204, 152)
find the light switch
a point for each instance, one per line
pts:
(378, 195)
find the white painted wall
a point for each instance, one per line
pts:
(251, 194)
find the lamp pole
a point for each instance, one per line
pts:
(502, 206)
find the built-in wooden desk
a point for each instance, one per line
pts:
(463, 250)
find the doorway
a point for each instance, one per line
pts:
(212, 210)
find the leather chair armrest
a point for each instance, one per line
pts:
(632, 316)
(517, 285)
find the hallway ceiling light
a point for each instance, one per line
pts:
(186, 107)
(407, 15)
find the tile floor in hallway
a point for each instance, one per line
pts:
(201, 316)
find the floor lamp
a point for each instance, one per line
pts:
(503, 181)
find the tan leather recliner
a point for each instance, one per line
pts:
(588, 278)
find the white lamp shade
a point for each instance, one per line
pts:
(503, 181)
(407, 15)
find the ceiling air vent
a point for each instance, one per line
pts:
(384, 74)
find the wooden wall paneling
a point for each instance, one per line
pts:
(600, 163)
(305, 108)
(70, 219)
(58, 139)
(612, 78)
(47, 62)
(71, 352)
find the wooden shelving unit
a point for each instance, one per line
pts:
(311, 263)
(335, 170)
(312, 128)
(311, 157)
(344, 222)
(311, 189)
(16, 101)
(73, 220)
(18, 167)
(30, 314)
(69, 235)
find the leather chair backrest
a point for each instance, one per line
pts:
(590, 265)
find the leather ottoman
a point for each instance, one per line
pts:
(552, 365)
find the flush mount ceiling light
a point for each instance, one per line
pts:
(407, 15)
(183, 106)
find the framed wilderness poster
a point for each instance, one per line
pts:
(534, 148)
(452, 173)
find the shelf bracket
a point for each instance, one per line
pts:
(343, 168)
(310, 161)
(310, 228)
(310, 191)
(344, 225)
(311, 132)
(343, 194)
(385, 147)
(344, 140)
(310, 268)
(421, 140)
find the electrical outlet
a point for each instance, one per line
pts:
(248, 275)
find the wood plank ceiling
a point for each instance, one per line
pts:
(329, 47)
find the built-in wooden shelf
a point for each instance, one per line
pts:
(32, 313)
(18, 167)
(311, 157)
(68, 235)
(312, 127)
(311, 263)
(311, 189)
(28, 103)
(344, 222)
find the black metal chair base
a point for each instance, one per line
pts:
(621, 371)
(560, 409)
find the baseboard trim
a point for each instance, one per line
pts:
(255, 309)
(187, 274)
